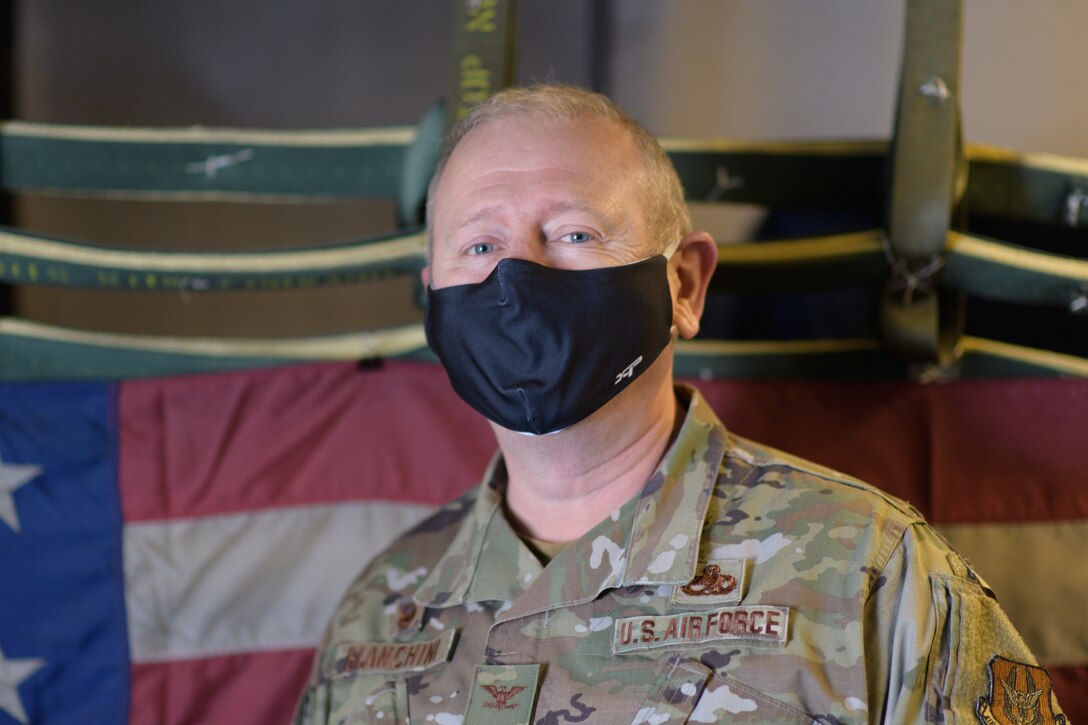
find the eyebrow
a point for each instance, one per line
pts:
(479, 215)
(561, 207)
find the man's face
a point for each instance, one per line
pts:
(566, 194)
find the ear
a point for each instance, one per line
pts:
(425, 275)
(693, 264)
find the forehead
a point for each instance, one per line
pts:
(589, 158)
(602, 138)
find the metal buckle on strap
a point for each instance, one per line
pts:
(910, 276)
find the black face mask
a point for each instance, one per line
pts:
(537, 349)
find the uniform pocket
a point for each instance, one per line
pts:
(725, 699)
(675, 691)
(362, 699)
(686, 691)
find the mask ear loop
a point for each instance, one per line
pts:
(670, 250)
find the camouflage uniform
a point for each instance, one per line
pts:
(742, 585)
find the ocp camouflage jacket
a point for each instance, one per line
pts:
(742, 585)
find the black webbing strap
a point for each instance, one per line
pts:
(927, 180)
(484, 43)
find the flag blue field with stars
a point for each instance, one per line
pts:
(63, 656)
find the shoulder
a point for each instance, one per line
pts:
(797, 514)
(768, 474)
(421, 546)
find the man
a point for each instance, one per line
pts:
(626, 559)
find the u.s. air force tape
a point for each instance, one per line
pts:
(762, 624)
(355, 658)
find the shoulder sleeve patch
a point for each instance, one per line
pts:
(1019, 693)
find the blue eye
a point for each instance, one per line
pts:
(481, 248)
(578, 237)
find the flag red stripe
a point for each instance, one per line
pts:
(972, 451)
(1003, 450)
(1071, 687)
(211, 444)
(852, 428)
(257, 688)
(1009, 450)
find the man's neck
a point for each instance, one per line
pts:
(562, 485)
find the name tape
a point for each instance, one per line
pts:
(355, 658)
(756, 623)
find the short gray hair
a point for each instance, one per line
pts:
(668, 214)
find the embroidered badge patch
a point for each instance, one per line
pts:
(354, 658)
(756, 623)
(1019, 695)
(503, 695)
(719, 581)
(408, 618)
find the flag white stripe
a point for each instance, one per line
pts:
(1039, 571)
(267, 580)
(248, 582)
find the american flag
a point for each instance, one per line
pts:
(170, 549)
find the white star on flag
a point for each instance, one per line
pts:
(12, 476)
(12, 674)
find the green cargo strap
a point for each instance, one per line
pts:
(800, 174)
(836, 261)
(37, 259)
(420, 161)
(201, 164)
(982, 267)
(1034, 187)
(484, 43)
(35, 351)
(1006, 272)
(974, 265)
(207, 164)
(927, 170)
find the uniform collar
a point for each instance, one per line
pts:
(652, 539)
